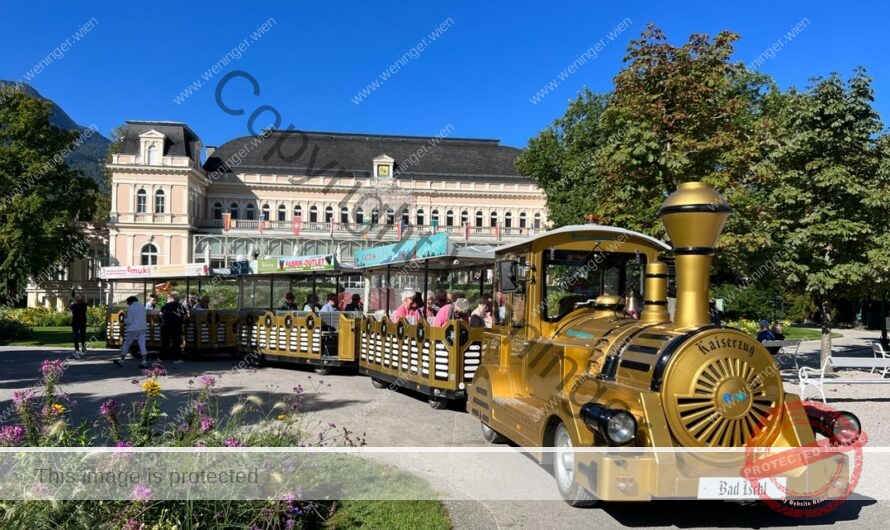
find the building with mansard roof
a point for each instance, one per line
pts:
(304, 193)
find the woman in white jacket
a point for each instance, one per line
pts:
(135, 327)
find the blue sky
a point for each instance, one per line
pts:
(478, 75)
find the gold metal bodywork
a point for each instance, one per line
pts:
(437, 361)
(319, 339)
(688, 384)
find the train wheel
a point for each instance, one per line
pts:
(438, 403)
(323, 370)
(492, 436)
(564, 470)
(378, 383)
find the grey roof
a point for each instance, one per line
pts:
(180, 139)
(449, 158)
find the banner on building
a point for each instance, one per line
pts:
(424, 247)
(322, 262)
(298, 225)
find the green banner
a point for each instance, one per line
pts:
(325, 262)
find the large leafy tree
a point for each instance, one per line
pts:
(41, 199)
(831, 194)
(563, 159)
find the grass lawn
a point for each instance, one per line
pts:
(807, 334)
(417, 515)
(60, 336)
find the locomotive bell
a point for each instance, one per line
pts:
(694, 216)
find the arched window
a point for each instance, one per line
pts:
(250, 211)
(344, 215)
(420, 218)
(494, 219)
(390, 217)
(479, 218)
(313, 214)
(359, 215)
(375, 216)
(217, 210)
(233, 209)
(282, 212)
(508, 220)
(329, 214)
(149, 254)
(153, 155)
(298, 211)
(141, 201)
(538, 220)
(405, 216)
(159, 201)
(434, 218)
(522, 220)
(266, 213)
(464, 217)
(449, 218)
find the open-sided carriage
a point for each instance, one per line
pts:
(205, 331)
(438, 362)
(324, 340)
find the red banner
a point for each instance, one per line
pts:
(467, 230)
(227, 221)
(298, 225)
(262, 222)
(497, 232)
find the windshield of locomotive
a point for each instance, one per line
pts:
(575, 277)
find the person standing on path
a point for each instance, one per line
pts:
(173, 315)
(78, 308)
(135, 327)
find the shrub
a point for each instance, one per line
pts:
(13, 330)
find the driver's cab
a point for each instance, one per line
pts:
(571, 271)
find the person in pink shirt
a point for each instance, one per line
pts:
(444, 313)
(408, 309)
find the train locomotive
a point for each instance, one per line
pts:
(569, 369)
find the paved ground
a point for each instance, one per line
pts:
(397, 419)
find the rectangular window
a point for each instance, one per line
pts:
(140, 203)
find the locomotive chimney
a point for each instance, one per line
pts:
(694, 216)
(655, 303)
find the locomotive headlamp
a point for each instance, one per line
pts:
(618, 427)
(841, 427)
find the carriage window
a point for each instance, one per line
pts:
(575, 277)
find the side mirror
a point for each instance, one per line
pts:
(507, 280)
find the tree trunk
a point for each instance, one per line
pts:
(826, 334)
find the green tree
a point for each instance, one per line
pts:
(41, 199)
(831, 196)
(563, 159)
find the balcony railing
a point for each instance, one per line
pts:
(242, 226)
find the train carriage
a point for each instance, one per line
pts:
(323, 340)
(571, 368)
(438, 362)
(206, 331)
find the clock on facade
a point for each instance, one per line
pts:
(382, 171)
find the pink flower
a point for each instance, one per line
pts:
(52, 369)
(109, 408)
(233, 442)
(123, 444)
(141, 493)
(208, 381)
(133, 524)
(207, 423)
(22, 398)
(11, 435)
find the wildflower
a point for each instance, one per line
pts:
(233, 442)
(208, 381)
(40, 489)
(53, 410)
(123, 443)
(200, 444)
(207, 423)
(11, 435)
(298, 389)
(141, 493)
(151, 387)
(289, 525)
(191, 382)
(200, 406)
(51, 369)
(22, 398)
(135, 381)
(282, 417)
(133, 524)
(288, 497)
(109, 408)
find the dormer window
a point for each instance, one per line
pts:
(383, 166)
(152, 147)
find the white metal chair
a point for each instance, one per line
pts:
(880, 354)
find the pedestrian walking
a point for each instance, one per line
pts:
(78, 308)
(135, 326)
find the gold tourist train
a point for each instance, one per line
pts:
(581, 353)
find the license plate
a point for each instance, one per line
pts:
(739, 488)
